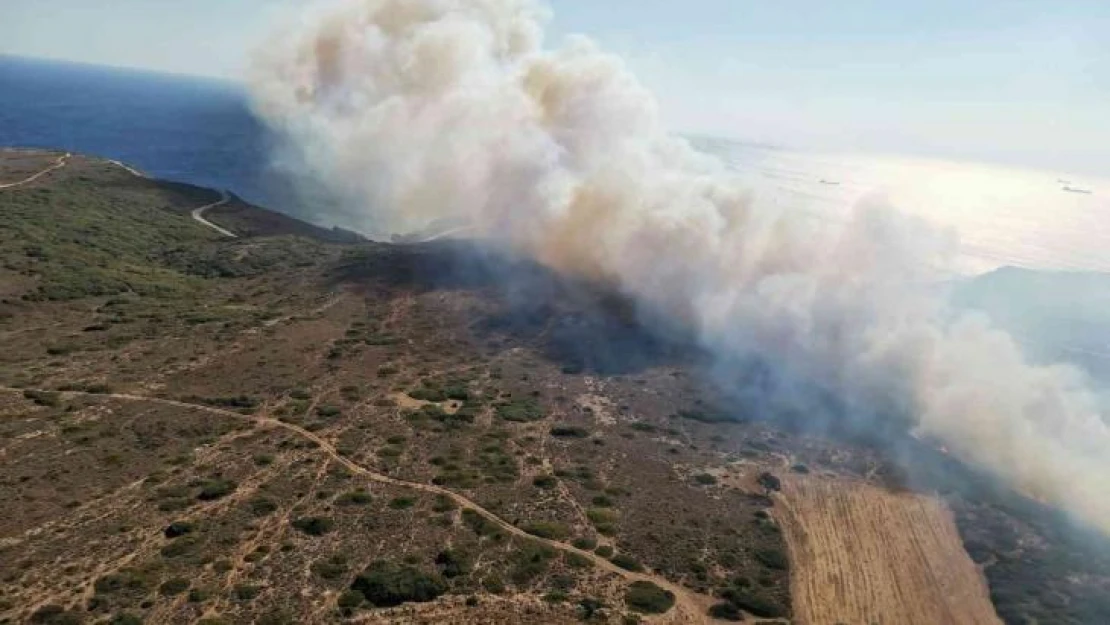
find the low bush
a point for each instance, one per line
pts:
(357, 497)
(551, 530)
(648, 598)
(330, 568)
(314, 525)
(773, 558)
(520, 410)
(453, 563)
(627, 562)
(211, 490)
(545, 481)
(705, 479)
(174, 586)
(726, 612)
(569, 431)
(529, 562)
(387, 584)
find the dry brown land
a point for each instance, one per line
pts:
(518, 439)
(862, 554)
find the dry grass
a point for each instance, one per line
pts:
(861, 554)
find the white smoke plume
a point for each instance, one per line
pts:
(422, 110)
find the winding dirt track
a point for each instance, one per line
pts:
(688, 608)
(861, 554)
(198, 214)
(58, 164)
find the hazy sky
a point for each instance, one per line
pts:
(1020, 81)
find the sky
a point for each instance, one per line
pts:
(1023, 82)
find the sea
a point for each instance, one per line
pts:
(179, 128)
(1034, 245)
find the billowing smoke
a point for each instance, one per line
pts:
(415, 111)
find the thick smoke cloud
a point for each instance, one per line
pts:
(415, 111)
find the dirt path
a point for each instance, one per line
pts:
(861, 554)
(198, 215)
(58, 164)
(129, 169)
(689, 607)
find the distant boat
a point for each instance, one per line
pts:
(830, 182)
(1062, 181)
(1077, 190)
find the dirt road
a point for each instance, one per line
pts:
(58, 164)
(689, 607)
(198, 215)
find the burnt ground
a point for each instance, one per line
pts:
(303, 410)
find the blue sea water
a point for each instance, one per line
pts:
(177, 128)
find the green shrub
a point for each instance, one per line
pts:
(706, 417)
(604, 551)
(480, 525)
(178, 529)
(769, 482)
(261, 506)
(453, 563)
(387, 584)
(552, 530)
(358, 497)
(328, 411)
(179, 547)
(773, 558)
(125, 582)
(428, 393)
(569, 431)
(214, 489)
(443, 503)
(545, 481)
(758, 605)
(457, 392)
(330, 568)
(245, 592)
(529, 562)
(585, 543)
(520, 410)
(726, 612)
(174, 586)
(627, 562)
(313, 526)
(43, 398)
(351, 599)
(244, 402)
(402, 503)
(125, 618)
(555, 596)
(705, 479)
(575, 561)
(648, 598)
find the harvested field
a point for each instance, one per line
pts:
(861, 554)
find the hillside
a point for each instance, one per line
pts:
(284, 427)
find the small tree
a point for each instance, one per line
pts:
(769, 482)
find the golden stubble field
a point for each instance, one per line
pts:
(862, 554)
